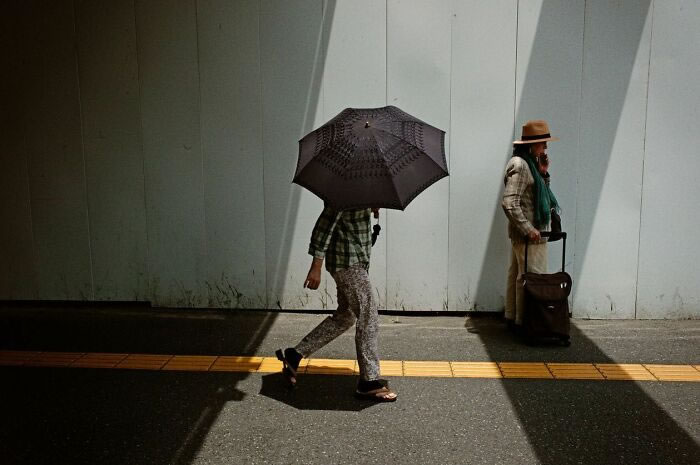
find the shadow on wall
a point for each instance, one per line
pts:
(581, 421)
(170, 413)
(587, 422)
(300, 96)
(551, 89)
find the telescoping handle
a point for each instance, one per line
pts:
(555, 236)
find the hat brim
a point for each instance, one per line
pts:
(533, 141)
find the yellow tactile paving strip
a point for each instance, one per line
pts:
(319, 366)
(674, 372)
(625, 371)
(476, 370)
(432, 369)
(190, 363)
(574, 371)
(525, 370)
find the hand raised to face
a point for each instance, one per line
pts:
(543, 163)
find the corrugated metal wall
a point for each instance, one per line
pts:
(150, 145)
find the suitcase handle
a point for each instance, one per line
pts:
(553, 236)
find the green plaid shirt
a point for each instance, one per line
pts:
(343, 238)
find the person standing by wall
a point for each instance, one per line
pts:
(343, 239)
(527, 202)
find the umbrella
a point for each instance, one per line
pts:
(371, 157)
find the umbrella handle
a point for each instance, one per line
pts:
(375, 232)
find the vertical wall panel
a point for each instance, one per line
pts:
(292, 54)
(483, 99)
(52, 135)
(418, 75)
(355, 76)
(150, 146)
(167, 54)
(616, 58)
(111, 119)
(17, 261)
(229, 66)
(669, 254)
(550, 42)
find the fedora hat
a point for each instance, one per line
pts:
(535, 131)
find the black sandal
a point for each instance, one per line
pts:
(288, 372)
(378, 391)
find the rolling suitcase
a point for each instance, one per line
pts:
(546, 313)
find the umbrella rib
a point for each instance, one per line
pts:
(397, 138)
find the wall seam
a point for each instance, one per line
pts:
(35, 256)
(201, 157)
(27, 165)
(386, 103)
(644, 152)
(449, 142)
(578, 143)
(262, 153)
(515, 78)
(82, 148)
(143, 160)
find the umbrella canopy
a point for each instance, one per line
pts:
(371, 157)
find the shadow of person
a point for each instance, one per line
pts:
(315, 392)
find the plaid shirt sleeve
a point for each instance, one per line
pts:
(516, 181)
(323, 231)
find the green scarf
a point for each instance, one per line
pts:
(544, 197)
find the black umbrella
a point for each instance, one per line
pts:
(371, 157)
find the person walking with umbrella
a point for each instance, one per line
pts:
(343, 240)
(358, 162)
(528, 203)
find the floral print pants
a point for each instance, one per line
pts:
(355, 305)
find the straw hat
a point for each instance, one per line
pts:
(535, 131)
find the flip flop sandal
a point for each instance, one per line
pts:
(383, 394)
(289, 373)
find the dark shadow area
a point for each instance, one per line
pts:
(135, 329)
(583, 422)
(580, 421)
(131, 416)
(544, 95)
(303, 103)
(315, 392)
(117, 416)
(86, 416)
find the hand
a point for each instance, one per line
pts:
(534, 235)
(313, 278)
(543, 164)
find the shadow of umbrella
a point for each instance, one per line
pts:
(317, 392)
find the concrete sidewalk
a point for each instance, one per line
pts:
(127, 416)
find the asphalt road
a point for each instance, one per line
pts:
(108, 416)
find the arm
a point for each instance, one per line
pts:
(515, 185)
(320, 239)
(313, 278)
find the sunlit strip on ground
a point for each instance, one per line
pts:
(320, 366)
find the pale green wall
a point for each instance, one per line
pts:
(150, 145)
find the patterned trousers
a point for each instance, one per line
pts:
(515, 294)
(355, 305)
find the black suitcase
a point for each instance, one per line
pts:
(546, 313)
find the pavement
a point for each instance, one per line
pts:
(54, 414)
